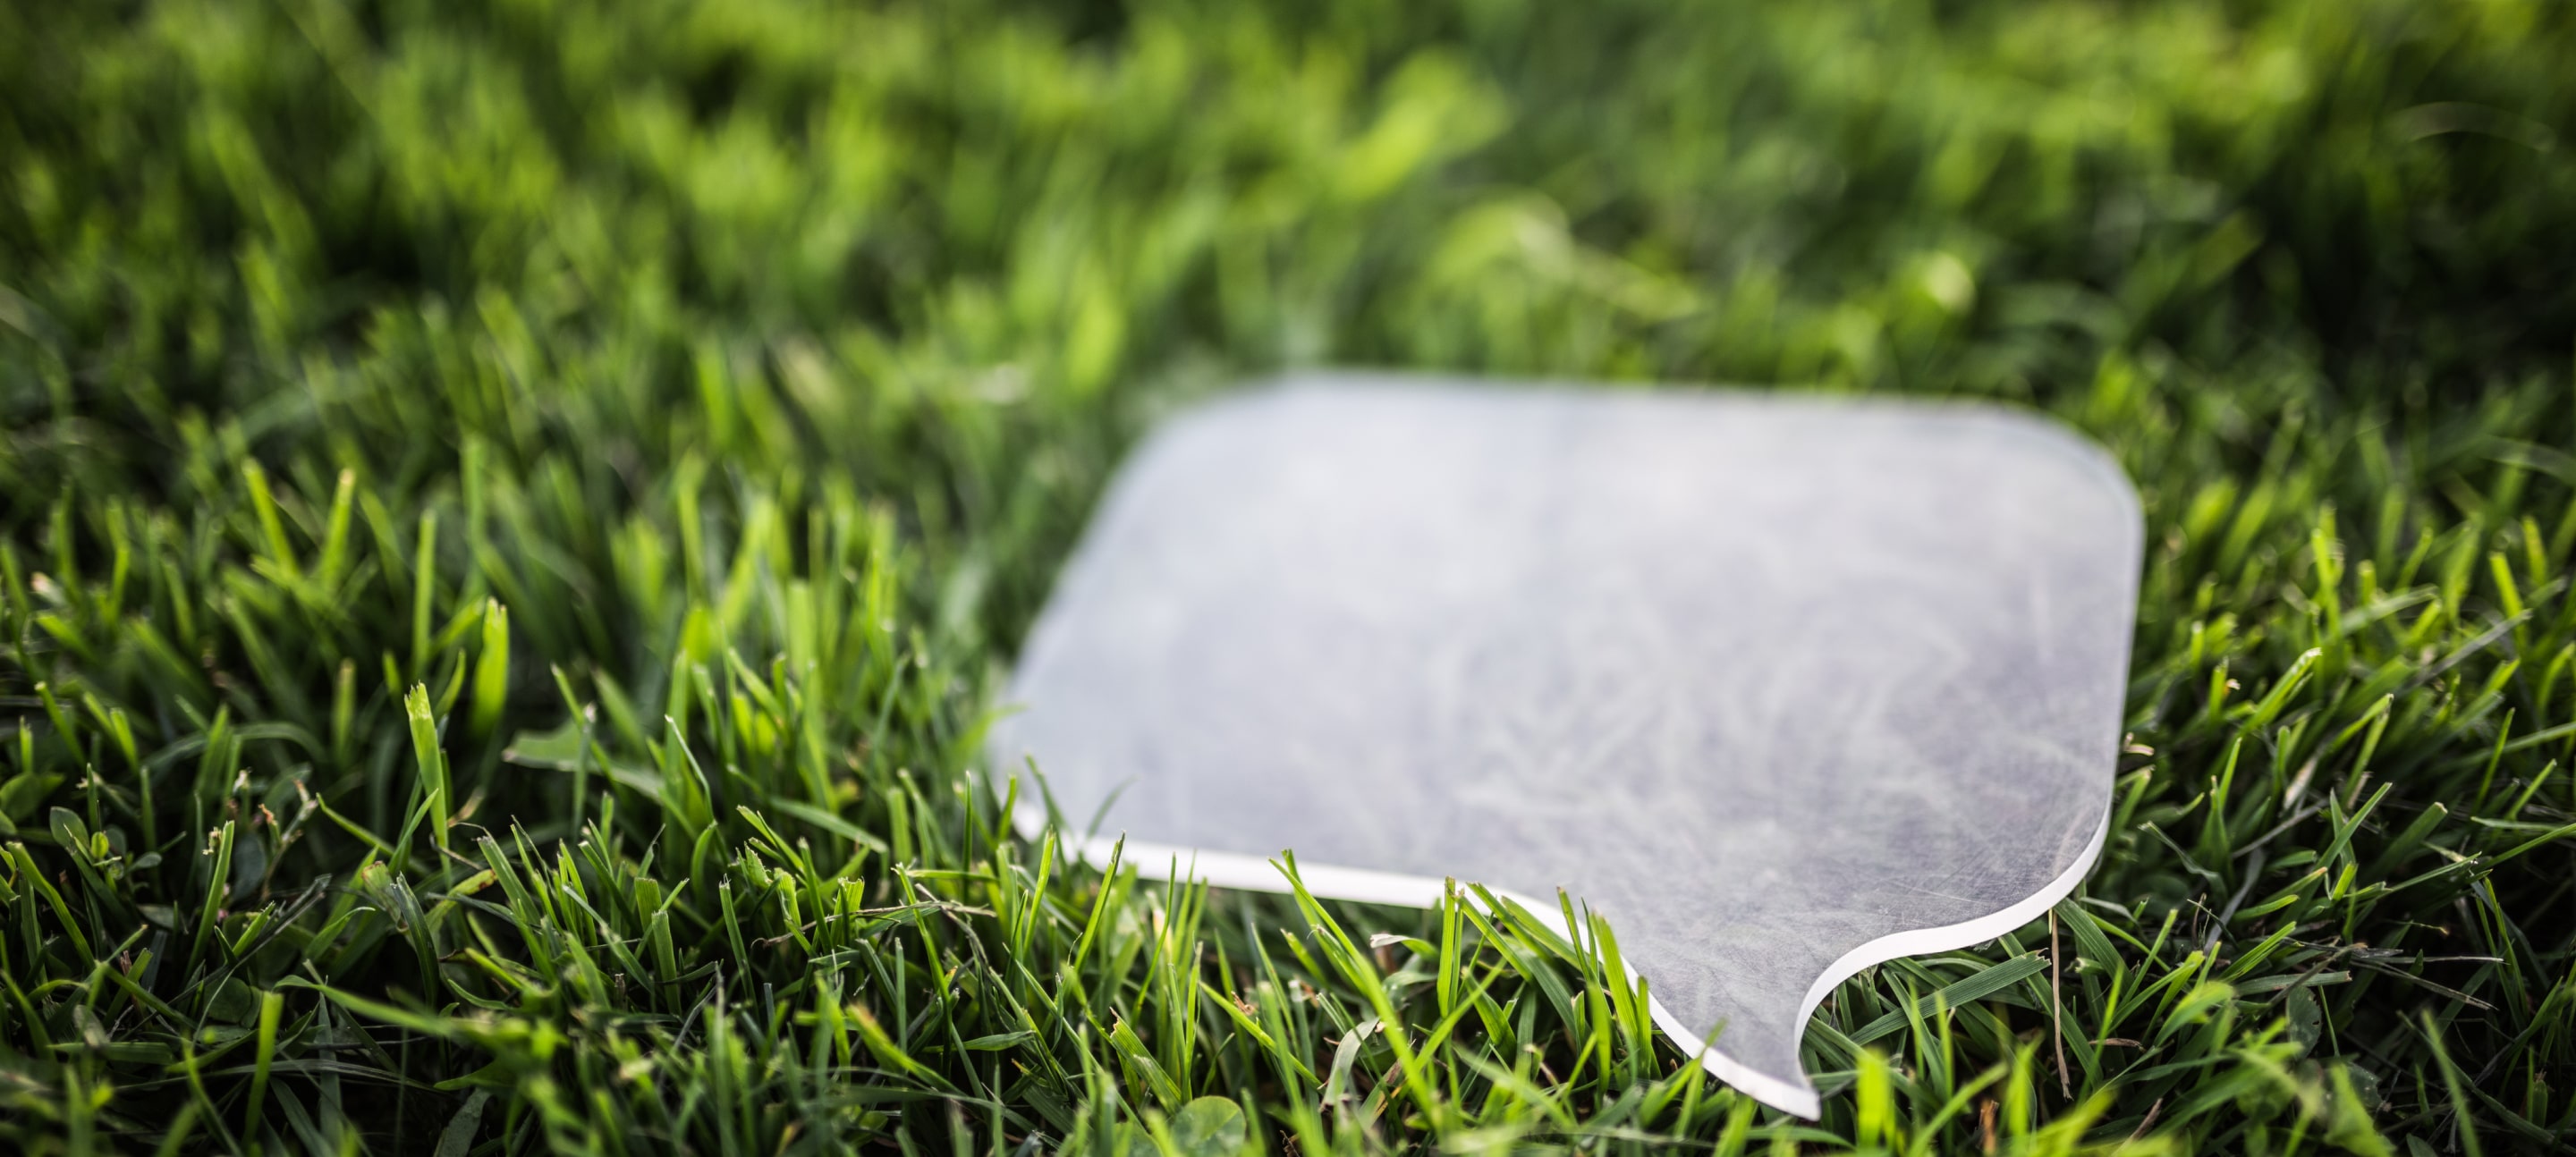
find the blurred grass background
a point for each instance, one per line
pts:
(512, 515)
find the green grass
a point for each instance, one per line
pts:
(512, 517)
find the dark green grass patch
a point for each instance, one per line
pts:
(512, 517)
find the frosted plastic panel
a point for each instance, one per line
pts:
(1782, 686)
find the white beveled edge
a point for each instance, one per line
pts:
(1362, 886)
(1923, 941)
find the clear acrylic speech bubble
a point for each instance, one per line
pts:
(1783, 687)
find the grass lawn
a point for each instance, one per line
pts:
(513, 516)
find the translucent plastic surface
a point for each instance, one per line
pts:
(1782, 686)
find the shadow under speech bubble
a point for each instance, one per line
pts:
(1781, 686)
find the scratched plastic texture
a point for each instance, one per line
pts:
(1780, 685)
